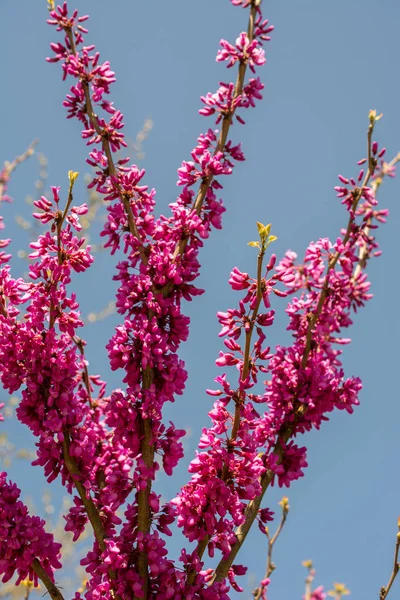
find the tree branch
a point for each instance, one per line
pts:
(51, 587)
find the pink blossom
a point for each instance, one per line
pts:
(244, 51)
(23, 538)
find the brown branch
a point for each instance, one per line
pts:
(396, 567)
(51, 587)
(247, 349)
(242, 531)
(85, 372)
(179, 250)
(90, 507)
(285, 512)
(60, 218)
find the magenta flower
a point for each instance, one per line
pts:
(244, 51)
(51, 211)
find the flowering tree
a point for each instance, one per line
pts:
(106, 447)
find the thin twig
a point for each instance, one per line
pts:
(271, 542)
(285, 512)
(85, 372)
(396, 567)
(309, 580)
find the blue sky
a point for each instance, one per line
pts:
(327, 65)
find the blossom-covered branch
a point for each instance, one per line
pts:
(107, 449)
(38, 351)
(306, 379)
(164, 250)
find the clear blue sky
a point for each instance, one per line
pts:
(328, 64)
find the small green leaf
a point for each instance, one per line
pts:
(263, 230)
(72, 176)
(373, 117)
(267, 229)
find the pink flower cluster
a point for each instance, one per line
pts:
(32, 352)
(23, 538)
(39, 351)
(244, 446)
